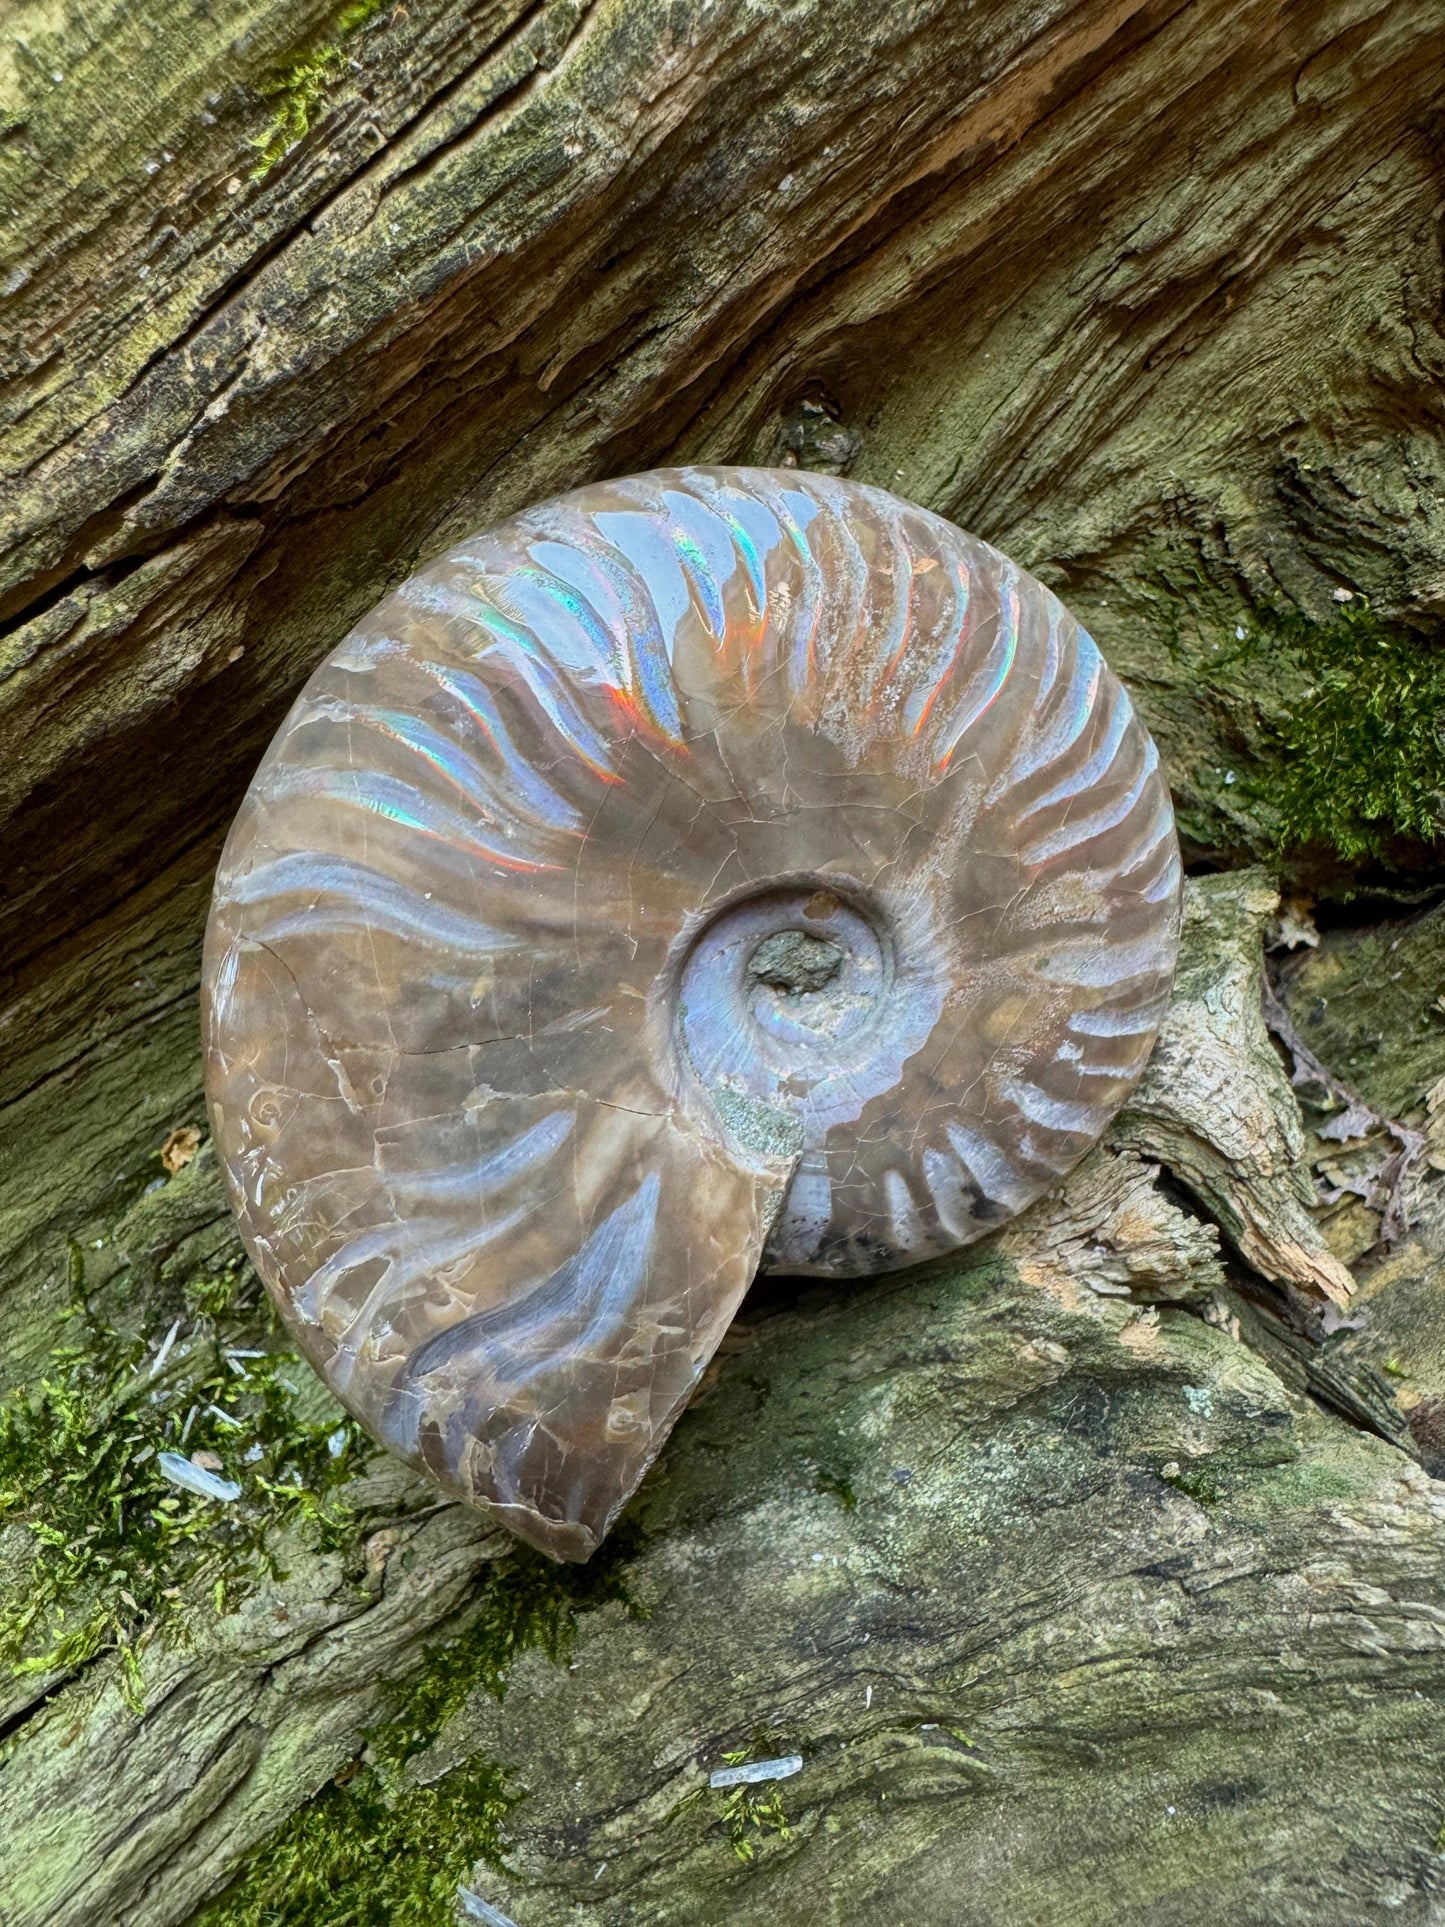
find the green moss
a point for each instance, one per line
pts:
(752, 1814)
(527, 1602)
(1359, 758)
(1203, 1488)
(99, 1545)
(301, 86)
(362, 1856)
(747, 1815)
(839, 1486)
(1283, 735)
(1340, 1471)
(378, 1849)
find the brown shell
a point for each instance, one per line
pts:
(712, 868)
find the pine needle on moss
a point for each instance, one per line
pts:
(99, 1544)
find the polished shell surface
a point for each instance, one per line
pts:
(714, 868)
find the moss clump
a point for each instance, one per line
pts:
(301, 86)
(748, 1814)
(378, 1849)
(99, 1543)
(1198, 1486)
(751, 1814)
(838, 1486)
(362, 1856)
(1359, 759)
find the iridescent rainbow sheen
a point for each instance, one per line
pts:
(715, 868)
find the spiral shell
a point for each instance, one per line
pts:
(712, 868)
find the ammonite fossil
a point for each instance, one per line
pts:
(715, 869)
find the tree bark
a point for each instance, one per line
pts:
(1097, 1577)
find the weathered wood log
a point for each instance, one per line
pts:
(1139, 1581)
(1006, 1542)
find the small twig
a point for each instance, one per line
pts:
(1359, 1117)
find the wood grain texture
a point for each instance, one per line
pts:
(1031, 1449)
(1134, 291)
(1148, 294)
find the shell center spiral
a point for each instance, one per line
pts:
(793, 1009)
